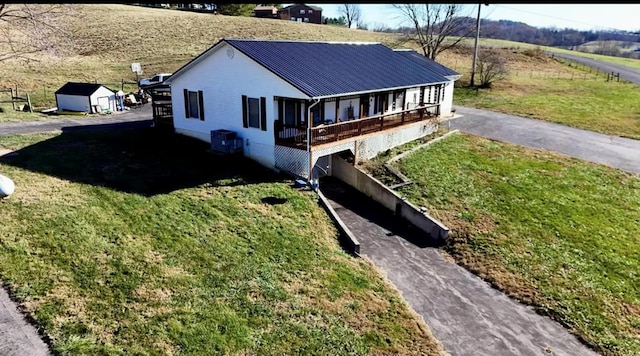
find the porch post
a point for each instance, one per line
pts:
(308, 112)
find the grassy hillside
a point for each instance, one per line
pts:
(138, 243)
(490, 42)
(110, 37)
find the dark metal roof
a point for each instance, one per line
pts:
(83, 89)
(321, 69)
(427, 62)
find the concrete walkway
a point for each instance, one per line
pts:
(465, 313)
(134, 117)
(613, 151)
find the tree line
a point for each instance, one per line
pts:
(521, 32)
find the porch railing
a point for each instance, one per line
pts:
(297, 135)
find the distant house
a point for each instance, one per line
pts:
(301, 13)
(270, 12)
(85, 97)
(294, 104)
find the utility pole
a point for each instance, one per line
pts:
(475, 47)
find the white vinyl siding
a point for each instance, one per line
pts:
(224, 79)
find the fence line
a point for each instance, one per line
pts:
(588, 73)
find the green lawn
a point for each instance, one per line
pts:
(142, 243)
(596, 105)
(555, 232)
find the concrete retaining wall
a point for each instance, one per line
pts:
(348, 239)
(374, 189)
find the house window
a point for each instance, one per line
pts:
(302, 12)
(293, 18)
(254, 112)
(193, 104)
(253, 106)
(310, 12)
(306, 19)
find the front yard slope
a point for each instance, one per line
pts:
(141, 243)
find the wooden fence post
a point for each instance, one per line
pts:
(29, 102)
(13, 103)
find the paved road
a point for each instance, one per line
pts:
(609, 150)
(135, 117)
(628, 73)
(17, 336)
(465, 313)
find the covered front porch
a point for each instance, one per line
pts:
(303, 123)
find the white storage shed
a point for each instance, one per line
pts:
(85, 97)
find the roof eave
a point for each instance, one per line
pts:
(375, 90)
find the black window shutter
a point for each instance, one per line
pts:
(201, 103)
(263, 113)
(245, 119)
(186, 103)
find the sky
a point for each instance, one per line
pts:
(576, 16)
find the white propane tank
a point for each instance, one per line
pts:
(6, 186)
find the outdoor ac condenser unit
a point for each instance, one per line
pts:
(225, 141)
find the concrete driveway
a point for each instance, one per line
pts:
(465, 313)
(628, 73)
(613, 151)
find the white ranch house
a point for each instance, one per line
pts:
(87, 97)
(296, 103)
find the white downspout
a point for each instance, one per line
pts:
(309, 140)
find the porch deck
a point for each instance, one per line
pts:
(295, 136)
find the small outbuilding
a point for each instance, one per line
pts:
(85, 97)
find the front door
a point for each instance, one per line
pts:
(291, 113)
(364, 105)
(380, 103)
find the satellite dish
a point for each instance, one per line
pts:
(6, 186)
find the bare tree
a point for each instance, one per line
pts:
(26, 29)
(361, 25)
(379, 27)
(433, 24)
(491, 67)
(351, 13)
